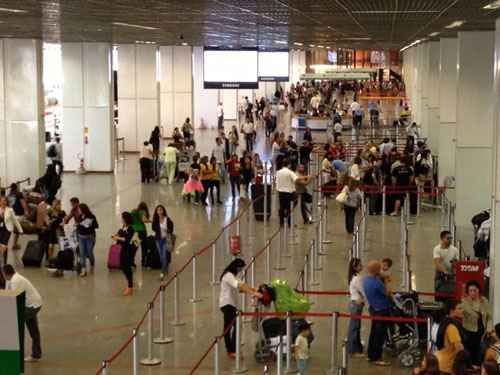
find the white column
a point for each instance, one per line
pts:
(495, 229)
(433, 98)
(137, 94)
(448, 76)
(176, 87)
(204, 101)
(424, 90)
(474, 126)
(87, 106)
(22, 128)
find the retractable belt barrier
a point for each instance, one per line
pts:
(20, 182)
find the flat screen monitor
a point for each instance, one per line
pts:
(274, 66)
(230, 69)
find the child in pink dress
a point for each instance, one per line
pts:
(193, 186)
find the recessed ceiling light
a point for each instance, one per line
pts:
(320, 46)
(493, 5)
(328, 47)
(134, 26)
(394, 11)
(298, 43)
(280, 42)
(434, 34)
(312, 45)
(184, 43)
(455, 24)
(411, 44)
(357, 38)
(10, 10)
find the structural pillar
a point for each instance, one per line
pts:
(432, 91)
(88, 130)
(448, 76)
(495, 204)
(475, 105)
(22, 128)
(424, 90)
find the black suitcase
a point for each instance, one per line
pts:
(257, 190)
(34, 253)
(66, 260)
(152, 257)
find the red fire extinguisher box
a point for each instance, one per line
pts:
(467, 270)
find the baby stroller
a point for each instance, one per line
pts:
(403, 337)
(272, 330)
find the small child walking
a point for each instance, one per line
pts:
(302, 348)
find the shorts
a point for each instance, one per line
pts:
(4, 237)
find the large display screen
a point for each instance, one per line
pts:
(274, 66)
(230, 69)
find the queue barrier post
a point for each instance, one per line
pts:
(279, 359)
(238, 229)
(289, 369)
(104, 368)
(176, 322)
(312, 257)
(317, 247)
(279, 266)
(195, 298)
(150, 360)
(163, 339)
(419, 198)
(216, 357)
(284, 239)
(214, 265)
(252, 272)
(384, 200)
(324, 222)
(334, 343)
(265, 194)
(293, 238)
(268, 261)
(238, 369)
(429, 336)
(305, 275)
(135, 353)
(345, 359)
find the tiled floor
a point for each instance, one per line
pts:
(84, 320)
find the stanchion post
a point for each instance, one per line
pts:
(289, 369)
(216, 357)
(324, 222)
(281, 240)
(163, 339)
(279, 360)
(104, 368)
(317, 247)
(268, 261)
(334, 343)
(419, 198)
(252, 272)
(238, 229)
(265, 194)
(194, 298)
(312, 262)
(238, 369)
(429, 336)
(384, 199)
(305, 278)
(345, 358)
(150, 360)
(214, 281)
(135, 353)
(284, 239)
(176, 322)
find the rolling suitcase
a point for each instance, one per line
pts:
(152, 257)
(257, 190)
(66, 260)
(34, 253)
(114, 257)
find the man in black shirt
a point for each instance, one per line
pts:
(305, 154)
(402, 178)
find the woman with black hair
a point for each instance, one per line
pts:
(356, 304)
(230, 285)
(163, 228)
(86, 229)
(124, 239)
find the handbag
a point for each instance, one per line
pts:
(342, 196)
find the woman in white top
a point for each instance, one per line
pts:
(163, 227)
(355, 170)
(8, 221)
(230, 285)
(146, 162)
(356, 304)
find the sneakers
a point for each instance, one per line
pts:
(162, 276)
(31, 359)
(128, 292)
(83, 273)
(393, 214)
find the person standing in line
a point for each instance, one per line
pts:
(234, 168)
(205, 178)
(141, 217)
(379, 304)
(444, 255)
(8, 222)
(402, 177)
(54, 228)
(188, 131)
(352, 203)
(170, 158)
(337, 128)
(154, 141)
(286, 181)
(124, 239)
(247, 173)
(249, 131)
(227, 147)
(146, 162)
(356, 304)
(219, 153)
(220, 116)
(234, 140)
(86, 237)
(33, 305)
(163, 227)
(305, 196)
(230, 285)
(213, 167)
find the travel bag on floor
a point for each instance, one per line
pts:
(66, 260)
(257, 190)
(151, 257)
(34, 253)
(114, 257)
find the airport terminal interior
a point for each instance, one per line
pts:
(228, 186)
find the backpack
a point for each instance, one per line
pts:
(421, 168)
(479, 218)
(481, 248)
(52, 151)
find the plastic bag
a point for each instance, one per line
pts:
(288, 299)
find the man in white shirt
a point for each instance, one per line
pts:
(248, 130)
(337, 128)
(355, 107)
(285, 185)
(170, 157)
(220, 116)
(444, 255)
(219, 153)
(14, 281)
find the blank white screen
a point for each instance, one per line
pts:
(273, 64)
(230, 66)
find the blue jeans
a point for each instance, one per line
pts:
(354, 330)
(302, 366)
(222, 172)
(161, 245)
(86, 244)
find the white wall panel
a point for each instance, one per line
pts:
(98, 121)
(127, 123)
(72, 135)
(72, 72)
(230, 102)
(167, 112)
(146, 71)
(183, 108)
(126, 71)
(3, 151)
(448, 80)
(147, 115)
(182, 69)
(205, 101)
(21, 155)
(97, 74)
(167, 68)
